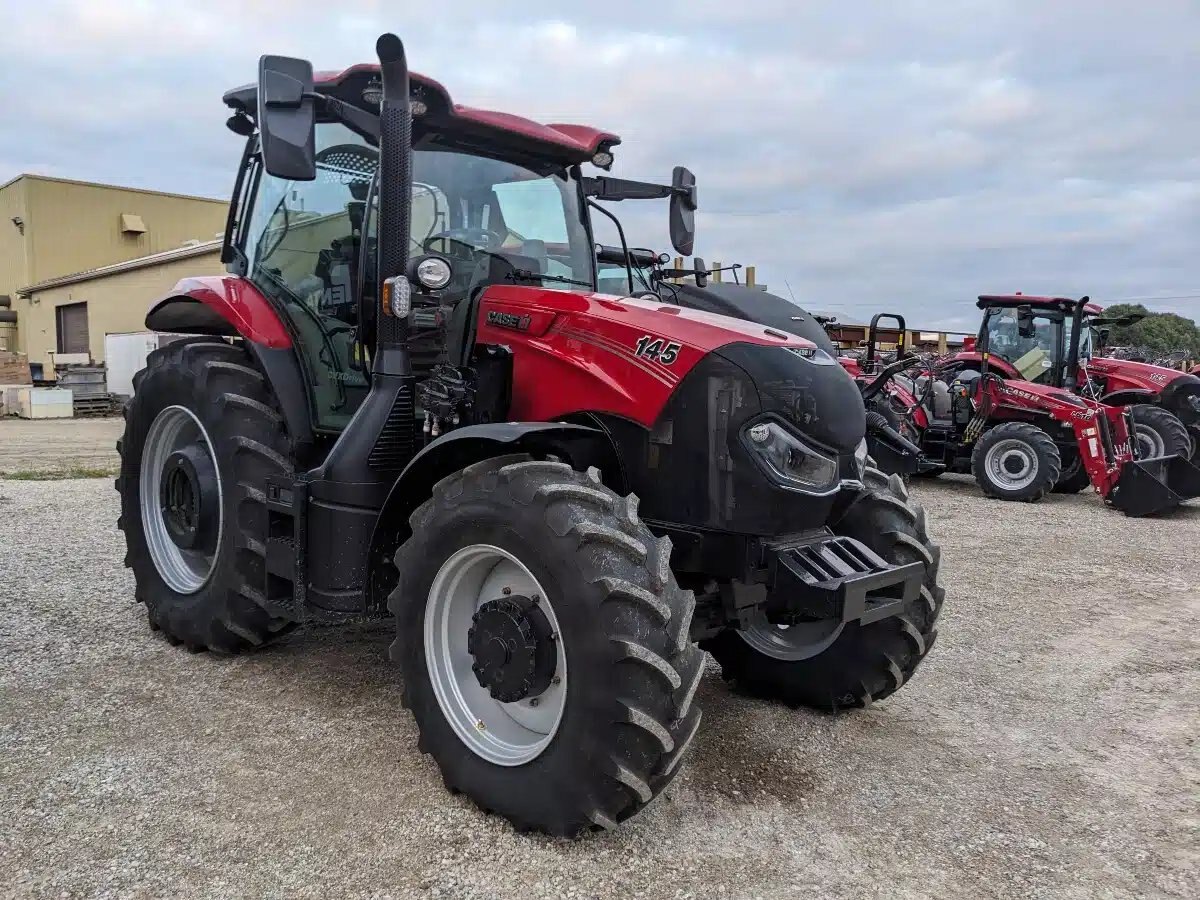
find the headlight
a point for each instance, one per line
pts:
(433, 272)
(790, 462)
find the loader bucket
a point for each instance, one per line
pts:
(1148, 486)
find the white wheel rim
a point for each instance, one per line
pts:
(184, 571)
(1011, 464)
(507, 734)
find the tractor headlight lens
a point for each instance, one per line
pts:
(790, 462)
(433, 273)
(602, 160)
(397, 296)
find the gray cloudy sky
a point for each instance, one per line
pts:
(907, 155)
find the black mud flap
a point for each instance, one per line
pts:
(830, 577)
(1149, 486)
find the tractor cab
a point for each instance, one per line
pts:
(494, 199)
(1031, 337)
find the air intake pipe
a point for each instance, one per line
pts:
(395, 198)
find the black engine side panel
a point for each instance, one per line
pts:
(692, 471)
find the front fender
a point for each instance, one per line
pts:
(578, 445)
(1128, 397)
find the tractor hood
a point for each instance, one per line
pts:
(1124, 374)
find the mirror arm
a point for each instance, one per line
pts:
(365, 124)
(617, 189)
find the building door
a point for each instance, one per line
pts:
(72, 323)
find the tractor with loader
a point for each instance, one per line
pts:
(1064, 352)
(406, 396)
(1021, 439)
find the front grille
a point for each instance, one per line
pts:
(394, 446)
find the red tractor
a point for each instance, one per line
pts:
(406, 396)
(1068, 334)
(1020, 440)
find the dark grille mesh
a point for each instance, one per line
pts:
(394, 446)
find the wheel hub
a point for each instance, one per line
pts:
(188, 497)
(513, 648)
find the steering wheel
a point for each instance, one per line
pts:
(474, 239)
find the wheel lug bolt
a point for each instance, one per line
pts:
(536, 599)
(506, 591)
(556, 680)
(533, 702)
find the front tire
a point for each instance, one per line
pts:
(855, 664)
(1016, 461)
(202, 435)
(626, 669)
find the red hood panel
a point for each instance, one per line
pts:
(575, 352)
(1123, 374)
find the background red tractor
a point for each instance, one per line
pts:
(1062, 352)
(408, 396)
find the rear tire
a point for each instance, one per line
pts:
(628, 674)
(865, 662)
(1158, 432)
(213, 390)
(1016, 461)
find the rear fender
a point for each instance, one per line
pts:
(228, 306)
(223, 305)
(577, 445)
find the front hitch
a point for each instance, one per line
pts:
(831, 577)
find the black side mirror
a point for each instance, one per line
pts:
(701, 270)
(1025, 326)
(286, 117)
(683, 210)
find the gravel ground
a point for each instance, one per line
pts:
(48, 445)
(1045, 749)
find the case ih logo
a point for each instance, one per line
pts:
(508, 320)
(1024, 395)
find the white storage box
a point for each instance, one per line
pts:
(125, 355)
(44, 403)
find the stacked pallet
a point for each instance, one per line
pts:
(89, 388)
(14, 373)
(14, 368)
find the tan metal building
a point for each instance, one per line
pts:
(72, 314)
(62, 243)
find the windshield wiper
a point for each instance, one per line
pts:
(526, 275)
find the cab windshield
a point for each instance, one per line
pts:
(1037, 356)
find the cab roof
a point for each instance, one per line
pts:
(1063, 304)
(565, 142)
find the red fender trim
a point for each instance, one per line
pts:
(234, 300)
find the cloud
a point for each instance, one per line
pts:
(903, 156)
